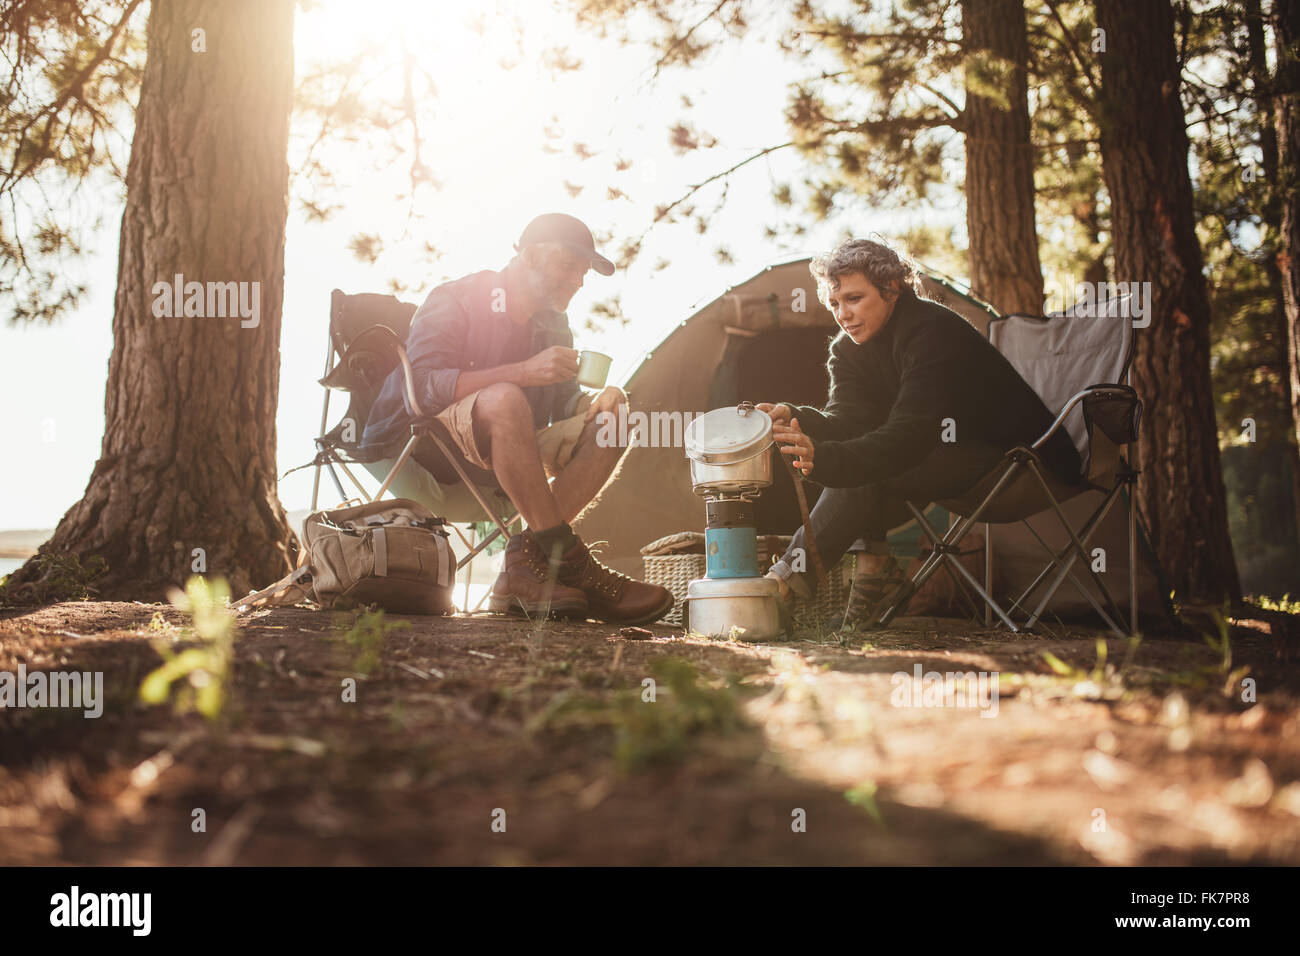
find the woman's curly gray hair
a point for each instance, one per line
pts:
(875, 260)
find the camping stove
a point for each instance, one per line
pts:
(730, 453)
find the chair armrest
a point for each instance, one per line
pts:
(1117, 411)
(408, 377)
(1091, 397)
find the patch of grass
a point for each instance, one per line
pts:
(58, 577)
(864, 796)
(1284, 604)
(199, 673)
(367, 634)
(651, 730)
(160, 626)
(1220, 674)
(1098, 675)
(1112, 682)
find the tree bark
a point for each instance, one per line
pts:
(1286, 121)
(188, 458)
(1000, 220)
(1144, 156)
(1267, 104)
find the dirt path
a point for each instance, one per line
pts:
(804, 752)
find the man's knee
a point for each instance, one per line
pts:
(499, 404)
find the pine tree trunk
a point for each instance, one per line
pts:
(1000, 221)
(1144, 155)
(1267, 104)
(188, 458)
(1286, 116)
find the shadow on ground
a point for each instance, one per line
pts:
(814, 751)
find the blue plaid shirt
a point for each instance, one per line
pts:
(456, 330)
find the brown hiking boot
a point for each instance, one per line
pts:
(528, 583)
(613, 597)
(873, 594)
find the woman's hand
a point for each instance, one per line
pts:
(796, 444)
(780, 414)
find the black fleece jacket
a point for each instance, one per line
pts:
(890, 395)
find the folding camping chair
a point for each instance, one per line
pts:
(1072, 362)
(366, 333)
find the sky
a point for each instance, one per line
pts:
(484, 129)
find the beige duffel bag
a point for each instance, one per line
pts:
(393, 553)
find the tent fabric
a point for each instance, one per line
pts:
(719, 356)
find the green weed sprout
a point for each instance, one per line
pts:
(200, 671)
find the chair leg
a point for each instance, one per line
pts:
(988, 570)
(474, 551)
(964, 592)
(324, 417)
(361, 489)
(928, 567)
(1132, 563)
(988, 598)
(334, 477)
(473, 532)
(1078, 551)
(392, 472)
(955, 534)
(1089, 526)
(1084, 536)
(473, 489)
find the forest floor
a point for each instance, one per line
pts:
(485, 740)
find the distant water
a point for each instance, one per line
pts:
(8, 565)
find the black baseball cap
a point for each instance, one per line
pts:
(569, 232)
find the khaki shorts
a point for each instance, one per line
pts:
(455, 502)
(556, 442)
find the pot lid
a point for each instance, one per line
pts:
(725, 436)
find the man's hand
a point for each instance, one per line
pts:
(556, 364)
(780, 414)
(795, 443)
(607, 400)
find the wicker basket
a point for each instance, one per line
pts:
(832, 599)
(675, 572)
(827, 607)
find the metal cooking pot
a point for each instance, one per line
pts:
(730, 450)
(744, 608)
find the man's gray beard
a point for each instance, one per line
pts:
(538, 289)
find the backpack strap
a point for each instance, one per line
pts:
(289, 590)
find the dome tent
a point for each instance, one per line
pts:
(766, 340)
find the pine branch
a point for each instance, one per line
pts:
(72, 91)
(1073, 47)
(666, 56)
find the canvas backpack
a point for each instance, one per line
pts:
(393, 553)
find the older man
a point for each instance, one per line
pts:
(493, 355)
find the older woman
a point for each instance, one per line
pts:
(921, 407)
